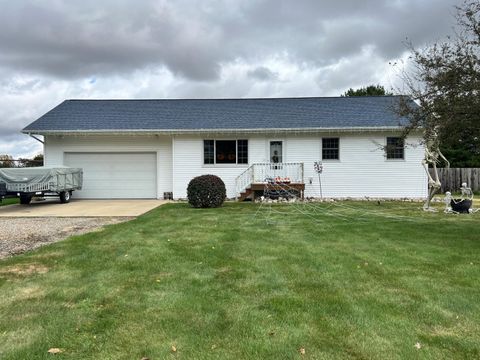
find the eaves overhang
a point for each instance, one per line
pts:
(210, 131)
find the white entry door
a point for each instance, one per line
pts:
(115, 175)
(276, 151)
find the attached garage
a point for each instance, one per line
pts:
(115, 175)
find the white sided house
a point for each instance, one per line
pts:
(152, 148)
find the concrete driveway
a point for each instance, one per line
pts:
(80, 208)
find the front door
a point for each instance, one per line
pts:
(276, 151)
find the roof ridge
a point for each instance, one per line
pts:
(246, 98)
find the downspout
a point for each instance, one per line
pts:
(34, 137)
(173, 166)
(43, 143)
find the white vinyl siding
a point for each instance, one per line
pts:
(189, 162)
(160, 146)
(361, 171)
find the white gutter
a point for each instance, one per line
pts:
(203, 131)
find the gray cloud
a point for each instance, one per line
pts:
(75, 39)
(263, 73)
(20, 146)
(61, 49)
(70, 41)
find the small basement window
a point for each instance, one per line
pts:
(395, 148)
(225, 152)
(330, 149)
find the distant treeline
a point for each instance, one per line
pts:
(7, 161)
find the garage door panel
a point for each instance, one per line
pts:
(115, 175)
(115, 186)
(104, 176)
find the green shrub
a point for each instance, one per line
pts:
(206, 191)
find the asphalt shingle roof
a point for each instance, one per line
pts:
(215, 114)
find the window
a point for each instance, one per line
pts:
(208, 152)
(395, 148)
(330, 149)
(242, 146)
(225, 152)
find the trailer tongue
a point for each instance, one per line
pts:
(40, 181)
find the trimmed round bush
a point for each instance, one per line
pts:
(206, 191)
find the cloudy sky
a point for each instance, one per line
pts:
(57, 49)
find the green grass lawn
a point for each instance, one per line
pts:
(9, 201)
(349, 281)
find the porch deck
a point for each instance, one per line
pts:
(280, 179)
(259, 189)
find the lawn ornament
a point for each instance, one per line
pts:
(464, 205)
(448, 203)
(467, 196)
(432, 157)
(461, 206)
(318, 166)
(467, 192)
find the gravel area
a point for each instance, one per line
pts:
(18, 235)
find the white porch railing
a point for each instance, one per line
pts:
(261, 172)
(244, 180)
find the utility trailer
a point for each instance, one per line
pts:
(44, 181)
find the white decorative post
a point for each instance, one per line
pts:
(318, 166)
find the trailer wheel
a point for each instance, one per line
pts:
(25, 199)
(65, 197)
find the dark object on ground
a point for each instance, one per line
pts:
(65, 196)
(461, 206)
(206, 191)
(275, 194)
(25, 199)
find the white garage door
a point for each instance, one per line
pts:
(115, 175)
